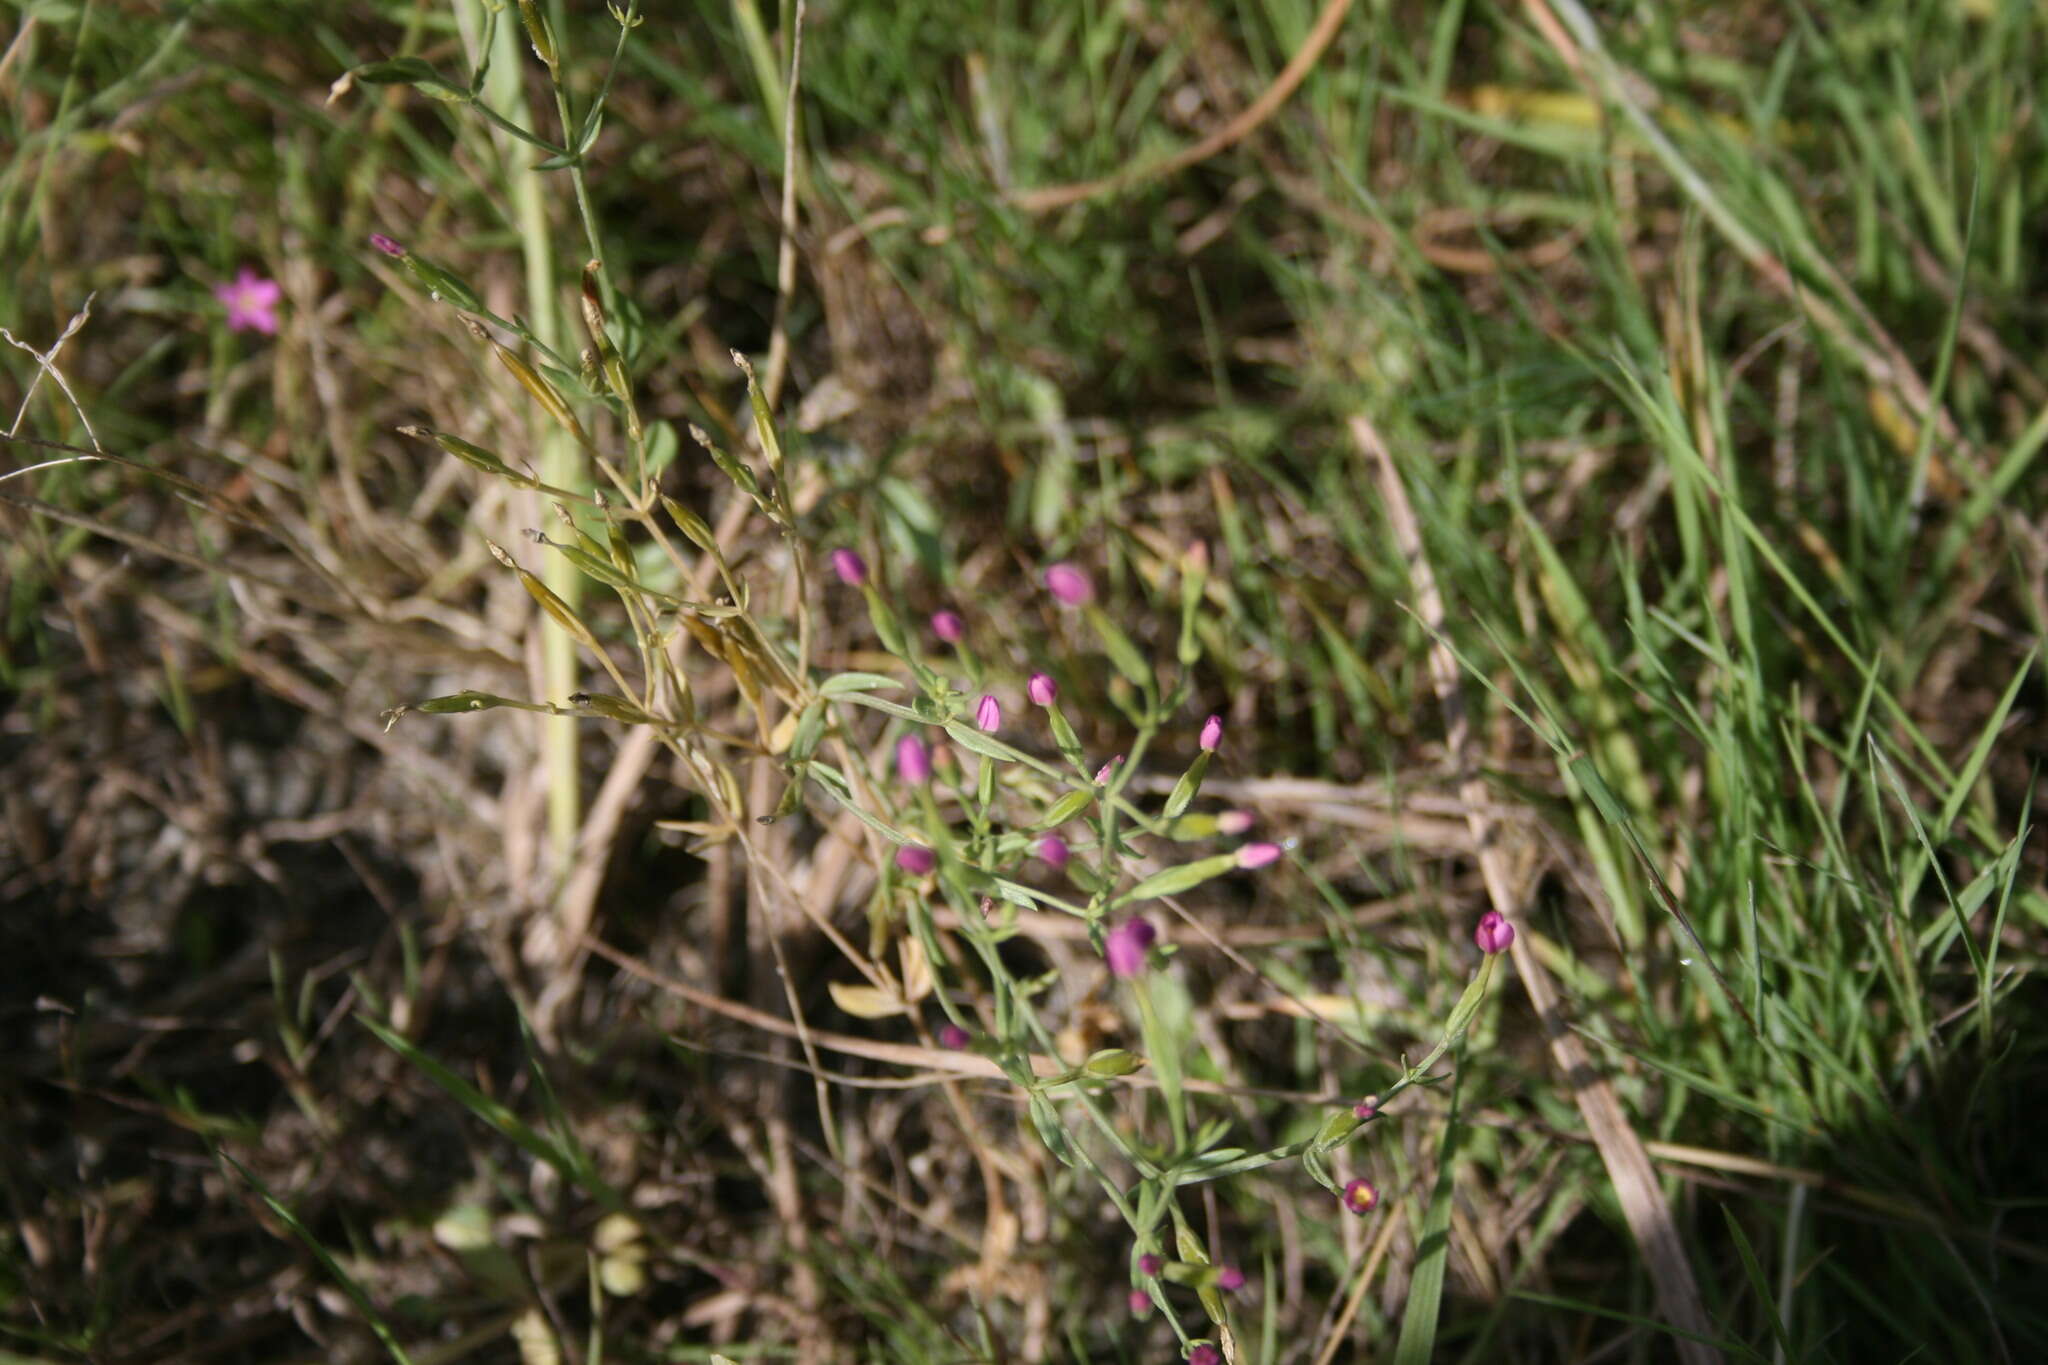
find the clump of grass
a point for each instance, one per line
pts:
(878, 954)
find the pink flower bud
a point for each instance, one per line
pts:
(1148, 1264)
(1107, 770)
(948, 626)
(913, 760)
(988, 714)
(1212, 733)
(1205, 1354)
(916, 859)
(1140, 1302)
(1230, 1279)
(1257, 855)
(1234, 822)
(1042, 690)
(954, 1038)
(1494, 933)
(1069, 584)
(1053, 850)
(1125, 947)
(1367, 1107)
(386, 245)
(1361, 1197)
(851, 568)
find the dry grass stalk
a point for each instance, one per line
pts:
(1628, 1164)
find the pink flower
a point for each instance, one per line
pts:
(948, 626)
(1125, 947)
(916, 859)
(954, 1038)
(1148, 1264)
(251, 302)
(1107, 770)
(913, 761)
(1494, 933)
(1361, 1197)
(1234, 822)
(1069, 584)
(1230, 1279)
(988, 714)
(1257, 855)
(851, 568)
(386, 245)
(1053, 850)
(1042, 690)
(1140, 1302)
(1205, 1354)
(1212, 733)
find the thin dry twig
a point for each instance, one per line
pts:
(1628, 1164)
(1051, 197)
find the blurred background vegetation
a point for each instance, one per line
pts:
(1705, 339)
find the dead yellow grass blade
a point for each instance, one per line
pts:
(1628, 1164)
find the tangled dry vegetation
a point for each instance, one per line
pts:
(221, 855)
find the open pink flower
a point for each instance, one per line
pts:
(1361, 1197)
(1125, 947)
(251, 302)
(1070, 584)
(1494, 933)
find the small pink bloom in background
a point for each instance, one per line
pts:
(1140, 1302)
(386, 245)
(1148, 1264)
(1125, 947)
(1042, 690)
(251, 302)
(1257, 855)
(1053, 850)
(1367, 1107)
(948, 626)
(916, 859)
(988, 714)
(1234, 822)
(1494, 933)
(954, 1038)
(1212, 733)
(1361, 1197)
(913, 760)
(1230, 1279)
(1197, 556)
(1107, 770)
(851, 568)
(1205, 1354)
(1069, 584)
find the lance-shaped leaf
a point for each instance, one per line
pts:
(1174, 880)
